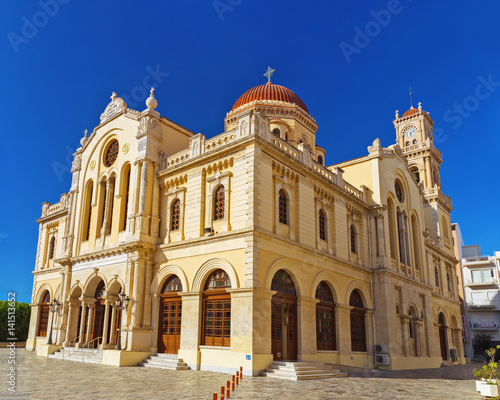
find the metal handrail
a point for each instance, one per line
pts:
(69, 346)
(87, 346)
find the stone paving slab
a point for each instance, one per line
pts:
(47, 379)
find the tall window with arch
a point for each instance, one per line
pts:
(358, 329)
(52, 248)
(219, 203)
(322, 225)
(325, 318)
(392, 227)
(276, 132)
(43, 318)
(175, 215)
(126, 194)
(283, 207)
(320, 160)
(354, 240)
(217, 310)
(88, 216)
(436, 275)
(448, 281)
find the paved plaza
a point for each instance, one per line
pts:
(42, 378)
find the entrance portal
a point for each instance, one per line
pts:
(442, 337)
(284, 318)
(169, 334)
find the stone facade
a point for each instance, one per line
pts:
(335, 264)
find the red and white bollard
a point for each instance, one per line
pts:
(241, 373)
(222, 391)
(237, 377)
(215, 396)
(233, 383)
(228, 389)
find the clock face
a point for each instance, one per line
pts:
(410, 132)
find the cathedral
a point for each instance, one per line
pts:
(245, 248)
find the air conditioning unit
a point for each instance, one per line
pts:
(453, 355)
(209, 231)
(382, 359)
(381, 348)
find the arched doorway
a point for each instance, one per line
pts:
(325, 318)
(284, 318)
(358, 329)
(169, 333)
(412, 325)
(43, 319)
(217, 310)
(442, 337)
(97, 327)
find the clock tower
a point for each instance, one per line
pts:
(415, 138)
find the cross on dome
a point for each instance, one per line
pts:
(113, 96)
(270, 72)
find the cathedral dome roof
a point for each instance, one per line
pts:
(269, 91)
(411, 111)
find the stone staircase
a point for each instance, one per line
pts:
(93, 356)
(301, 370)
(164, 361)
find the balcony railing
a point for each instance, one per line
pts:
(491, 281)
(484, 304)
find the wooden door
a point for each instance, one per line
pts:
(442, 342)
(284, 328)
(98, 322)
(44, 320)
(169, 335)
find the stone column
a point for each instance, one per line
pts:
(370, 345)
(144, 187)
(89, 323)
(307, 327)
(69, 326)
(105, 327)
(428, 177)
(108, 212)
(418, 346)
(343, 319)
(113, 325)
(405, 319)
(147, 295)
(137, 300)
(380, 236)
(81, 334)
(190, 332)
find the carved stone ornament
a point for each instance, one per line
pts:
(77, 163)
(149, 125)
(116, 106)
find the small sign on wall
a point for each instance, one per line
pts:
(279, 355)
(248, 357)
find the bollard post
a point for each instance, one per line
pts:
(237, 377)
(233, 383)
(228, 389)
(215, 396)
(222, 396)
(241, 373)
(222, 391)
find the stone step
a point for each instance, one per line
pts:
(292, 377)
(302, 372)
(164, 366)
(173, 363)
(168, 356)
(164, 361)
(294, 371)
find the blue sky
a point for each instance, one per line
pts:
(350, 62)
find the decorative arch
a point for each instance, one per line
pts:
(441, 310)
(90, 285)
(115, 285)
(361, 287)
(210, 266)
(165, 272)
(292, 270)
(76, 291)
(332, 282)
(40, 293)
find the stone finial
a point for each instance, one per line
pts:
(376, 143)
(419, 106)
(397, 114)
(113, 96)
(151, 102)
(83, 140)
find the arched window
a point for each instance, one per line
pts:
(52, 247)
(325, 318)
(217, 310)
(392, 227)
(125, 205)
(415, 174)
(436, 275)
(407, 144)
(358, 330)
(322, 225)
(43, 320)
(320, 160)
(103, 206)
(354, 240)
(219, 203)
(100, 290)
(172, 284)
(276, 132)
(448, 281)
(282, 283)
(414, 141)
(415, 237)
(286, 137)
(88, 220)
(283, 207)
(176, 214)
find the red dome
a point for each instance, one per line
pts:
(411, 111)
(269, 91)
